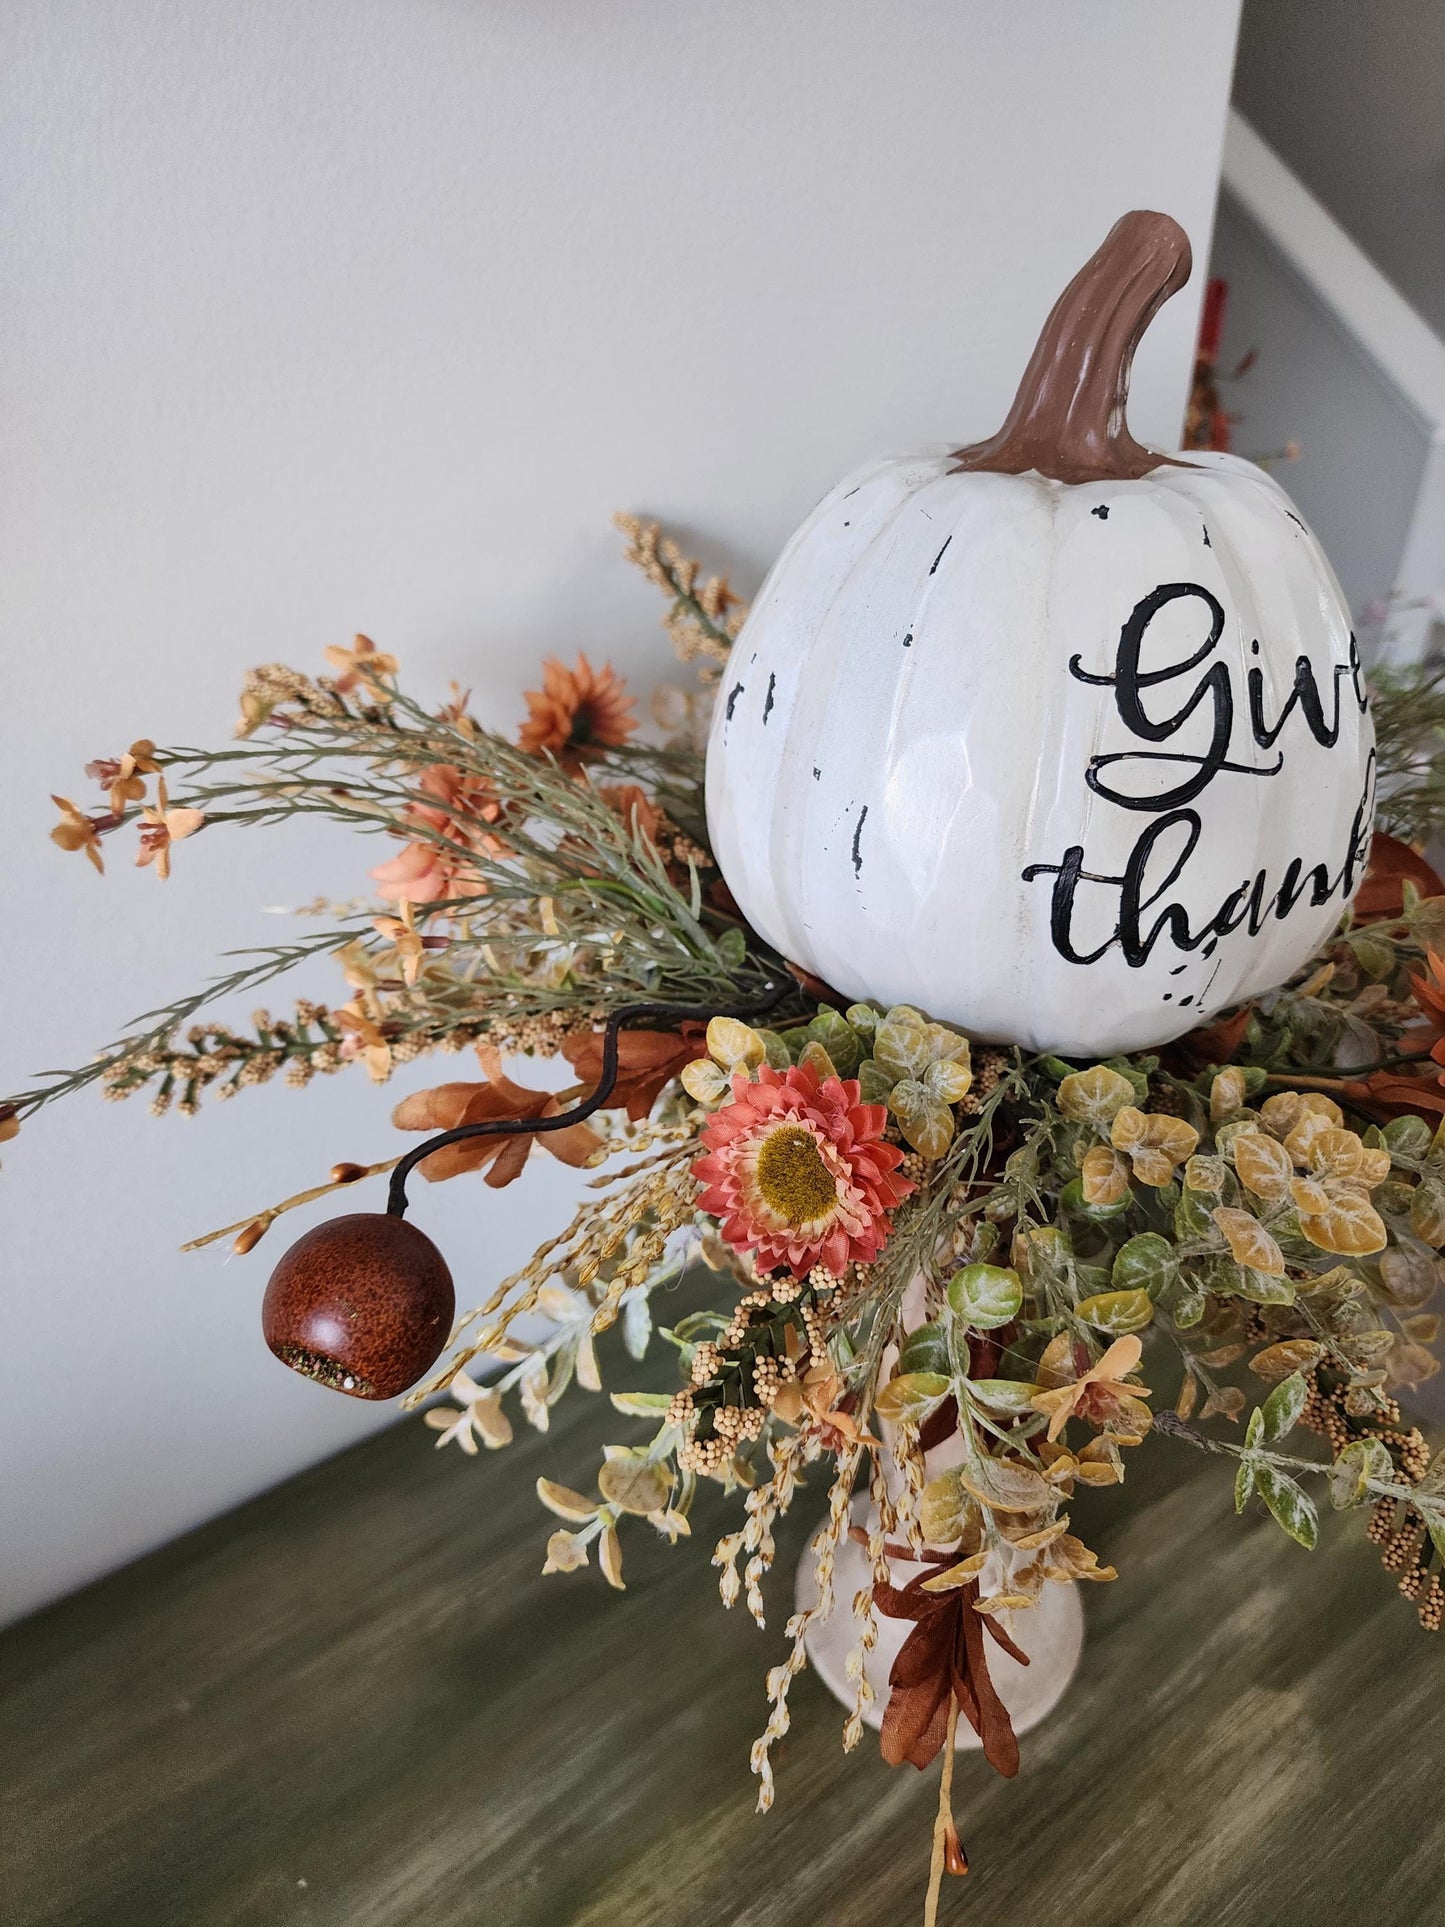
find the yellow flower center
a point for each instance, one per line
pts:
(792, 1178)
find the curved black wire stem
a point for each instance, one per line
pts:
(532, 1126)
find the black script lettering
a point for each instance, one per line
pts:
(1127, 932)
(1250, 901)
(1306, 694)
(1129, 681)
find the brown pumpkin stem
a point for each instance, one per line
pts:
(1067, 421)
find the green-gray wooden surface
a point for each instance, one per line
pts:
(355, 1702)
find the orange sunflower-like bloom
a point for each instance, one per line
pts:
(796, 1171)
(577, 710)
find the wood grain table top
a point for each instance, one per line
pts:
(356, 1702)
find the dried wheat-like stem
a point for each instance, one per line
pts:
(529, 1281)
(725, 1558)
(825, 1544)
(663, 1142)
(765, 1505)
(598, 1231)
(882, 1522)
(669, 1201)
(705, 616)
(908, 1457)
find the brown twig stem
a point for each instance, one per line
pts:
(944, 1819)
(264, 1218)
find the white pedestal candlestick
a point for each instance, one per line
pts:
(1051, 1633)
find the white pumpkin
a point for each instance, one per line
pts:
(1060, 739)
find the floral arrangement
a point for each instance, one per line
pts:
(963, 1279)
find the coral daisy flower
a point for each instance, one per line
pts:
(576, 710)
(796, 1172)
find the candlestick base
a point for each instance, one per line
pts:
(1051, 1633)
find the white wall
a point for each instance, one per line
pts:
(365, 314)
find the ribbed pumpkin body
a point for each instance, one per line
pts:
(1072, 765)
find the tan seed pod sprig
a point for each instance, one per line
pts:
(826, 1541)
(882, 1526)
(704, 616)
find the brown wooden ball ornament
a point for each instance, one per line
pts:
(364, 1304)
